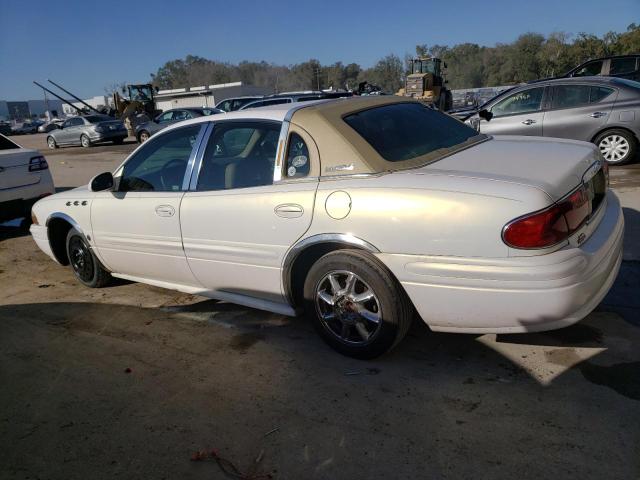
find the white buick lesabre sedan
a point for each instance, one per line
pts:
(359, 212)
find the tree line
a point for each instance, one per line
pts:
(529, 57)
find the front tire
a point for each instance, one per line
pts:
(85, 141)
(86, 267)
(617, 146)
(51, 143)
(356, 305)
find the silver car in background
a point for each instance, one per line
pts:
(87, 130)
(604, 111)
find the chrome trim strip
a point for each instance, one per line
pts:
(281, 154)
(301, 245)
(195, 150)
(197, 161)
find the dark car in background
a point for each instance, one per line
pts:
(26, 128)
(289, 97)
(169, 117)
(622, 66)
(87, 130)
(236, 103)
(601, 110)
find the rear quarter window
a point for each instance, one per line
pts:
(404, 131)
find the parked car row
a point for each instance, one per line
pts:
(169, 117)
(243, 103)
(491, 234)
(601, 110)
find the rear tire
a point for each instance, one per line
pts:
(85, 141)
(51, 143)
(86, 267)
(356, 305)
(617, 146)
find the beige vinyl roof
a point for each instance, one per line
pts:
(342, 150)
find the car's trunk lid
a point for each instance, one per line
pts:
(14, 168)
(553, 165)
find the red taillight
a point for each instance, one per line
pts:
(550, 226)
(37, 163)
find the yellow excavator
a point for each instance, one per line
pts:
(427, 83)
(139, 107)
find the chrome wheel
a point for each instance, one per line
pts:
(347, 307)
(614, 148)
(81, 259)
(51, 143)
(84, 140)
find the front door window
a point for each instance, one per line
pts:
(161, 163)
(525, 101)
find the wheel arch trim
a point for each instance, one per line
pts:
(300, 246)
(70, 221)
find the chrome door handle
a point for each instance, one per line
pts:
(528, 121)
(598, 114)
(289, 210)
(165, 210)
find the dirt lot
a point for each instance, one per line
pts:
(129, 381)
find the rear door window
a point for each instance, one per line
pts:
(621, 66)
(239, 155)
(570, 96)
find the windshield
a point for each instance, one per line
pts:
(97, 118)
(404, 131)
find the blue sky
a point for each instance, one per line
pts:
(86, 45)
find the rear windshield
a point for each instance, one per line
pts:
(97, 118)
(403, 131)
(628, 83)
(6, 144)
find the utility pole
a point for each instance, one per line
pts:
(46, 105)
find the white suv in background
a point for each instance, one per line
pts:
(24, 179)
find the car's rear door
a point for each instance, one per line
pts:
(245, 209)
(520, 113)
(578, 111)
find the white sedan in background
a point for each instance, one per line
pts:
(24, 179)
(359, 212)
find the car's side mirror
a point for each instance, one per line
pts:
(101, 182)
(486, 114)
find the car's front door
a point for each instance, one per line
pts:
(70, 132)
(578, 111)
(245, 209)
(520, 113)
(136, 228)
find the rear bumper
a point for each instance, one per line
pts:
(110, 135)
(518, 294)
